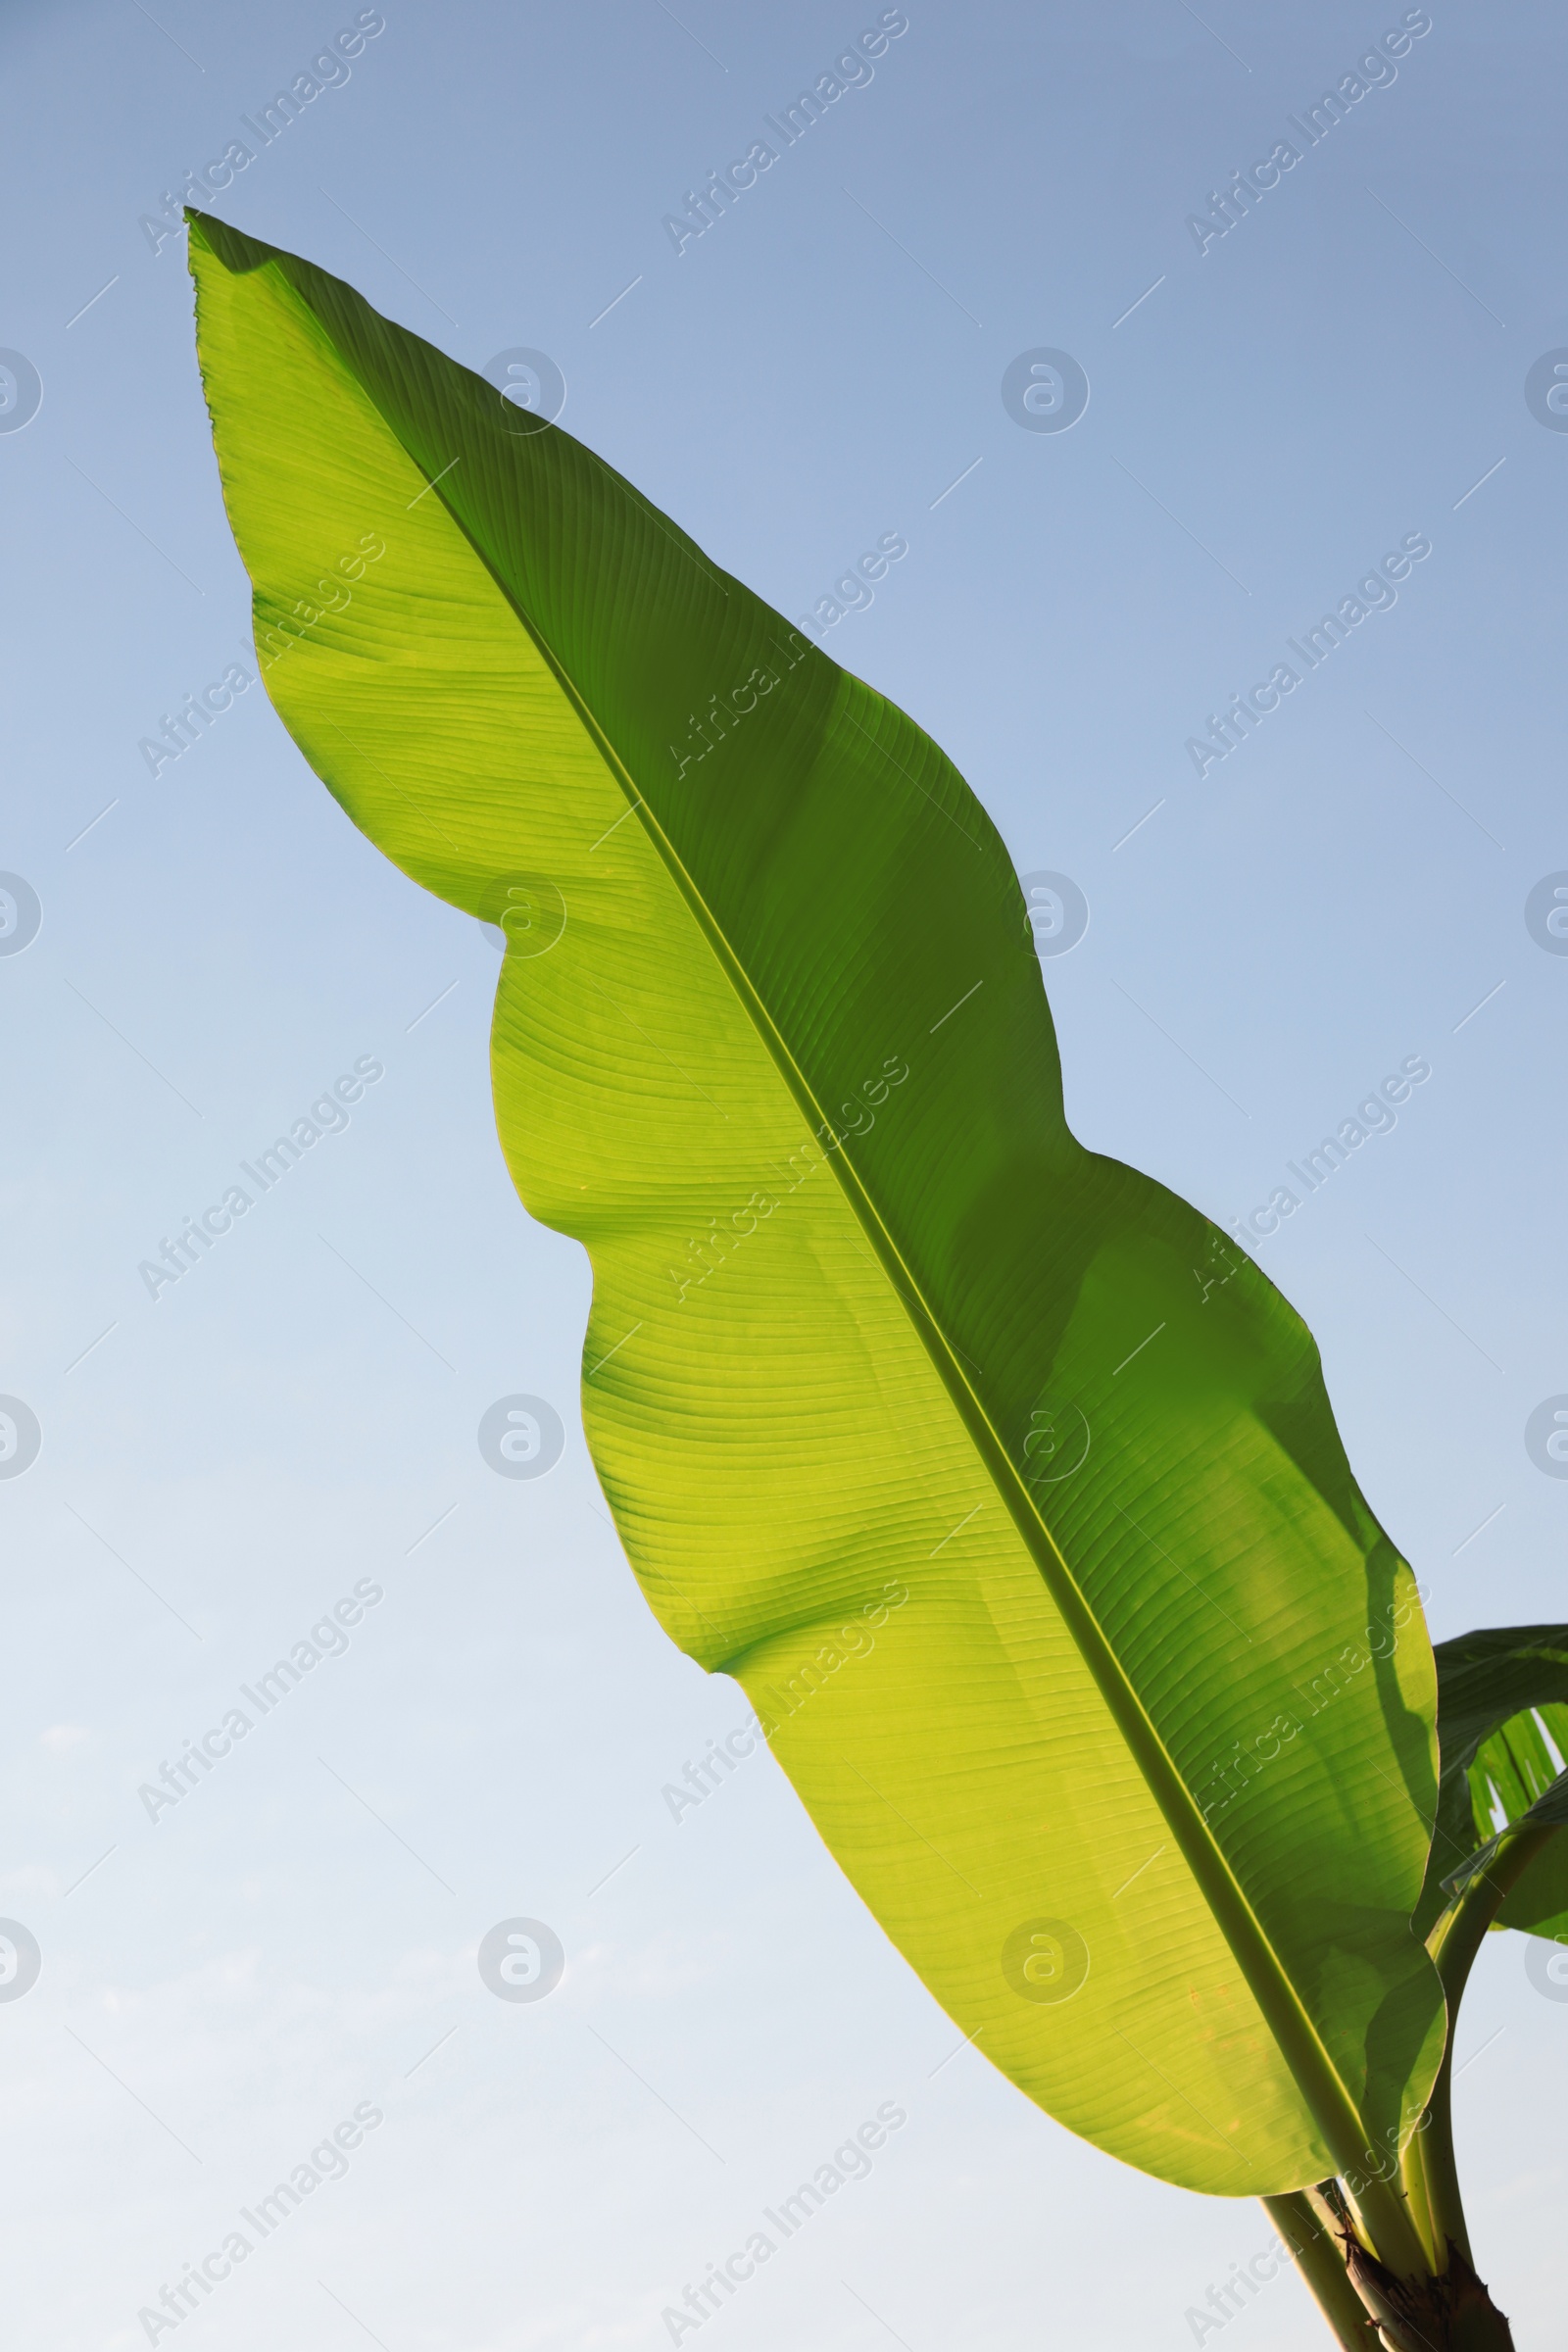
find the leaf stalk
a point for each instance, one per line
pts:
(1430, 2167)
(1303, 2230)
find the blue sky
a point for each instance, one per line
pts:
(1271, 412)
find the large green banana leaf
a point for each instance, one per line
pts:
(1549, 1811)
(1005, 1484)
(1496, 1691)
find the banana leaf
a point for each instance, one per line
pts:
(1501, 1693)
(1003, 1482)
(1549, 1811)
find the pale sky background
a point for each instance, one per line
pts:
(1342, 369)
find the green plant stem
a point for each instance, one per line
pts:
(1453, 1943)
(1321, 2264)
(1418, 2194)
